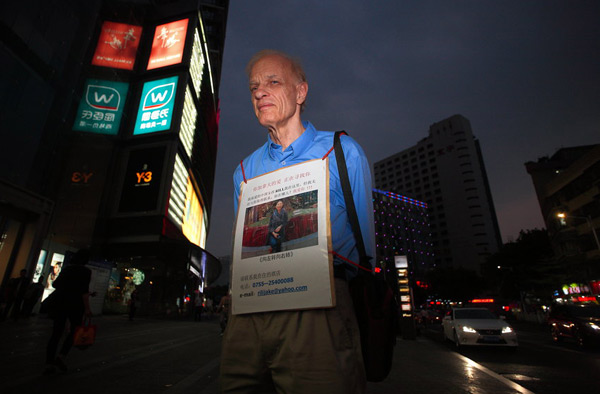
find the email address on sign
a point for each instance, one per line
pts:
(282, 290)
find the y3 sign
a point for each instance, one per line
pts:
(156, 106)
(101, 107)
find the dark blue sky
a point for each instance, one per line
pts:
(525, 73)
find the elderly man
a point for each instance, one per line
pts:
(300, 351)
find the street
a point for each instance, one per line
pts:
(539, 364)
(171, 356)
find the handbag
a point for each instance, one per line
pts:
(85, 334)
(375, 306)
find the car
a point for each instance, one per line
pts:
(578, 322)
(478, 327)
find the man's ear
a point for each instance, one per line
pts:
(302, 91)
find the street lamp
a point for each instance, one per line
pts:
(588, 219)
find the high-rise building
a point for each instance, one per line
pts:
(446, 171)
(41, 44)
(567, 185)
(131, 171)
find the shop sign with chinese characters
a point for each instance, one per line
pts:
(101, 107)
(156, 106)
(168, 44)
(117, 45)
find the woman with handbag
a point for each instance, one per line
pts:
(71, 303)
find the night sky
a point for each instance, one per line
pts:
(525, 73)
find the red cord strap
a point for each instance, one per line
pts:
(243, 173)
(329, 151)
(350, 261)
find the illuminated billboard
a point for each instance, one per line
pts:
(101, 107)
(156, 106)
(197, 63)
(117, 45)
(186, 207)
(168, 44)
(187, 130)
(141, 186)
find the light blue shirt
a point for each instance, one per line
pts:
(314, 144)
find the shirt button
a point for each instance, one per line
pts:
(283, 163)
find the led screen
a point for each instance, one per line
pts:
(101, 107)
(117, 45)
(168, 44)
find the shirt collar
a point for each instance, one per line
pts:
(297, 147)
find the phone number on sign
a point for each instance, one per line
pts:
(272, 282)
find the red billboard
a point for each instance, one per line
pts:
(117, 45)
(168, 44)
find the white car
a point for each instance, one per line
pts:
(477, 326)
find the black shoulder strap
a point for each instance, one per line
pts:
(349, 199)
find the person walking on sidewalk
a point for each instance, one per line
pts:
(312, 350)
(133, 304)
(70, 302)
(16, 295)
(223, 310)
(32, 296)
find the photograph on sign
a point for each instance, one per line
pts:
(168, 44)
(101, 107)
(117, 45)
(156, 106)
(286, 224)
(282, 239)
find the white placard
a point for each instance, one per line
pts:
(295, 272)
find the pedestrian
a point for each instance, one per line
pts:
(32, 296)
(198, 307)
(15, 295)
(300, 351)
(70, 303)
(223, 310)
(209, 306)
(133, 303)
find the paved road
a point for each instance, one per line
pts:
(539, 364)
(166, 356)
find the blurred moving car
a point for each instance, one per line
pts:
(578, 322)
(476, 327)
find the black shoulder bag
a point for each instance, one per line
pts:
(374, 302)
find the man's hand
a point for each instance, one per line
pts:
(278, 229)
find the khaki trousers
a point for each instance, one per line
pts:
(294, 352)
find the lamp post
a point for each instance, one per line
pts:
(563, 215)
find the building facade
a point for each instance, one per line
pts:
(130, 168)
(402, 229)
(567, 185)
(446, 171)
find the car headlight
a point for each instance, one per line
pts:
(594, 326)
(468, 329)
(506, 330)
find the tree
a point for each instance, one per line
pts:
(525, 265)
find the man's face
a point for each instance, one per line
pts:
(276, 91)
(279, 205)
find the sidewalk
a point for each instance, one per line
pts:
(165, 356)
